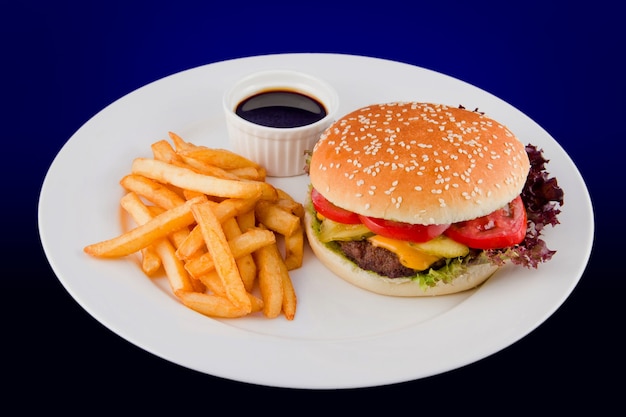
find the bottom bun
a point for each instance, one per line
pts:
(401, 287)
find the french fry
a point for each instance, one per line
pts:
(216, 306)
(188, 179)
(189, 194)
(287, 203)
(290, 300)
(192, 245)
(180, 143)
(175, 271)
(249, 173)
(219, 249)
(207, 169)
(248, 270)
(270, 277)
(149, 251)
(246, 220)
(152, 191)
(268, 192)
(145, 234)
(226, 209)
(163, 151)
(235, 206)
(283, 195)
(294, 249)
(276, 219)
(217, 157)
(150, 261)
(245, 263)
(177, 237)
(241, 245)
(155, 210)
(294, 242)
(174, 268)
(213, 283)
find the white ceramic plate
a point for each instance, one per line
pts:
(342, 336)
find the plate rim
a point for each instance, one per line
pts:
(339, 345)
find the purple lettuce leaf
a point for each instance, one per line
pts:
(543, 199)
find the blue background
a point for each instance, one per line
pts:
(62, 62)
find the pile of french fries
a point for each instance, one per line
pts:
(225, 238)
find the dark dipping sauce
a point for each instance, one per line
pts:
(281, 108)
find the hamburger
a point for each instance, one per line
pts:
(419, 199)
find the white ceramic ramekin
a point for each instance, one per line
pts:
(282, 151)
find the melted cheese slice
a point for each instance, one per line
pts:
(409, 256)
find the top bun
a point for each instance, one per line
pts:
(418, 163)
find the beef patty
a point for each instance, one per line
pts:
(375, 259)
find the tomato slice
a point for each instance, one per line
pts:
(403, 231)
(331, 211)
(502, 228)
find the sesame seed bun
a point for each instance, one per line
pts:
(472, 277)
(418, 163)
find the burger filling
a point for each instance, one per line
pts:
(440, 252)
(374, 258)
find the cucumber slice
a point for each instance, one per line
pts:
(331, 230)
(442, 246)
